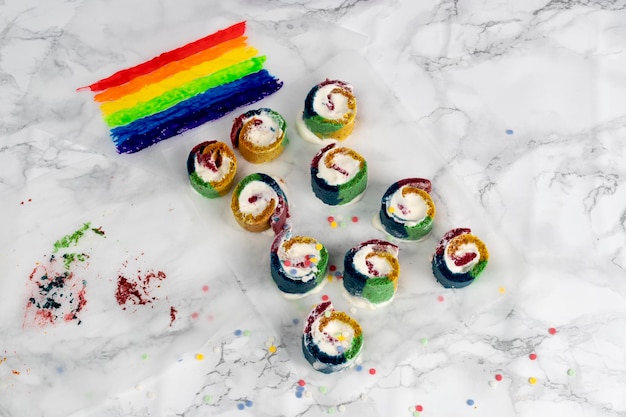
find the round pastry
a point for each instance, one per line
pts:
(211, 167)
(370, 275)
(338, 175)
(260, 135)
(407, 210)
(259, 203)
(329, 112)
(298, 264)
(459, 258)
(332, 340)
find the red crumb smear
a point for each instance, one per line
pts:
(173, 312)
(137, 291)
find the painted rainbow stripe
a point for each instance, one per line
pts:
(182, 89)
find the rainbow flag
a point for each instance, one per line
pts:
(182, 88)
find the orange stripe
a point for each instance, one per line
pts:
(168, 70)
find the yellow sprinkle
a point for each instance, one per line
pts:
(391, 209)
(199, 356)
(341, 338)
(319, 246)
(333, 224)
(313, 260)
(502, 290)
(330, 277)
(272, 349)
(532, 380)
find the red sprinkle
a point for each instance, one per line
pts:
(205, 288)
(194, 315)
(532, 356)
(440, 298)
(552, 330)
(287, 262)
(372, 371)
(355, 219)
(330, 219)
(498, 377)
(301, 382)
(324, 297)
(419, 408)
(332, 267)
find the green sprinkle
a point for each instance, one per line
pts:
(68, 240)
(343, 224)
(571, 372)
(331, 410)
(144, 356)
(424, 341)
(246, 332)
(323, 389)
(416, 414)
(207, 398)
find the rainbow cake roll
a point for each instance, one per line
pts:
(459, 258)
(211, 166)
(298, 264)
(329, 112)
(259, 203)
(260, 135)
(338, 175)
(332, 340)
(183, 88)
(371, 271)
(406, 210)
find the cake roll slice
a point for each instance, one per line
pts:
(259, 202)
(406, 210)
(211, 166)
(338, 175)
(371, 271)
(460, 257)
(260, 135)
(298, 264)
(332, 340)
(329, 112)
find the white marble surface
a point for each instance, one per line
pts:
(515, 110)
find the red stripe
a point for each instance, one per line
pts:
(125, 75)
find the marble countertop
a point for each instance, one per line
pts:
(516, 112)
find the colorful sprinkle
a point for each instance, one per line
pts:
(301, 383)
(205, 288)
(323, 389)
(440, 298)
(424, 341)
(195, 315)
(508, 132)
(391, 210)
(331, 410)
(319, 246)
(298, 394)
(501, 290)
(287, 262)
(532, 380)
(332, 268)
(358, 368)
(372, 371)
(330, 219)
(272, 349)
(324, 297)
(470, 402)
(419, 408)
(246, 332)
(498, 377)
(199, 356)
(238, 332)
(552, 330)
(532, 356)
(144, 356)
(571, 372)
(355, 219)
(416, 414)
(249, 403)
(333, 224)
(295, 321)
(241, 406)
(343, 224)
(207, 398)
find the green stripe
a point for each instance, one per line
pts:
(191, 89)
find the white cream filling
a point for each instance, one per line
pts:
(336, 337)
(330, 105)
(379, 264)
(209, 175)
(333, 176)
(255, 197)
(463, 250)
(410, 209)
(265, 133)
(296, 255)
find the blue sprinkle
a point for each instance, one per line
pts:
(60, 369)
(240, 406)
(298, 394)
(337, 273)
(508, 132)
(295, 321)
(470, 402)
(293, 271)
(238, 332)
(299, 388)
(340, 349)
(359, 368)
(249, 403)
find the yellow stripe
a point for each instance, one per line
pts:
(155, 90)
